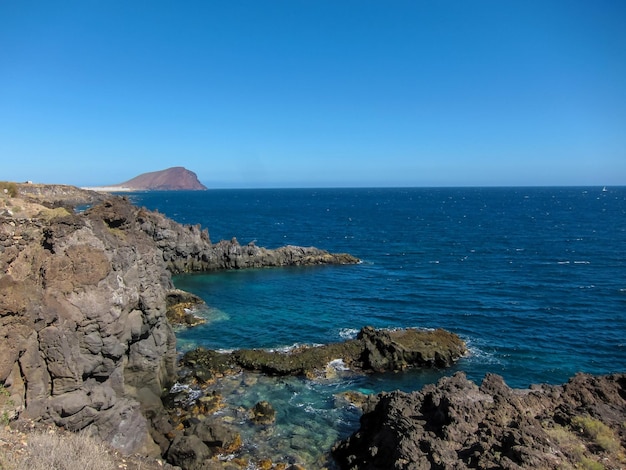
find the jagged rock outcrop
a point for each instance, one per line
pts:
(83, 327)
(372, 351)
(456, 424)
(188, 248)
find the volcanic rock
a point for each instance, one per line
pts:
(263, 413)
(181, 306)
(372, 351)
(457, 424)
(83, 327)
(83, 302)
(201, 441)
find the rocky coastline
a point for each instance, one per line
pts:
(83, 310)
(458, 424)
(371, 351)
(87, 308)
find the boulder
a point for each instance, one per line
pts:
(216, 435)
(188, 452)
(263, 413)
(181, 306)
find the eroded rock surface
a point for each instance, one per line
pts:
(181, 307)
(83, 327)
(457, 424)
(372, 351)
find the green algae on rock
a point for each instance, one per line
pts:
(372, 351)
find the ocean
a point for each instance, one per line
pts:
(533, 279)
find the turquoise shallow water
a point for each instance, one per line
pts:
(532, 278)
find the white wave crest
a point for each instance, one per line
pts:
(348, 333)
(293, 347)
(338, 365)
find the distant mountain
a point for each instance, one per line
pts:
(176, 178)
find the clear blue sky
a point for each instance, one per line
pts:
(295, 93)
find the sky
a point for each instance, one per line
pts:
(315, 93)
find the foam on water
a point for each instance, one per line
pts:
(348, 333)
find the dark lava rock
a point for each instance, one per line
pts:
(200, 442)
(263, 413)
(188, 452)
(457, 425)
(400, 349)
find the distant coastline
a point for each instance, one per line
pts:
(109, 189)
(172, 179)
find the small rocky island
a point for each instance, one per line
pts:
(86, 311)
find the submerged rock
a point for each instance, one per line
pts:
(457, 424)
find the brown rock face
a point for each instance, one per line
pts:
(457, 424)
(176, 178)
(83, 327)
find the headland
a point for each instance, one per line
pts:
(176, 178)
(86, 311)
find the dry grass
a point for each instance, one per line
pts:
(29, 446)
(598, 432)
(8, 188)
(587, 444)
(53, 451)
(22, 209)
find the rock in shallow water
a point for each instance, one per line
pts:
(263, 413)
(372, 351)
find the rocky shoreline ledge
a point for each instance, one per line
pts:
(458, 424)
(86, 312)
(372, 351)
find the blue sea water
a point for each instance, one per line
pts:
(533, 279)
